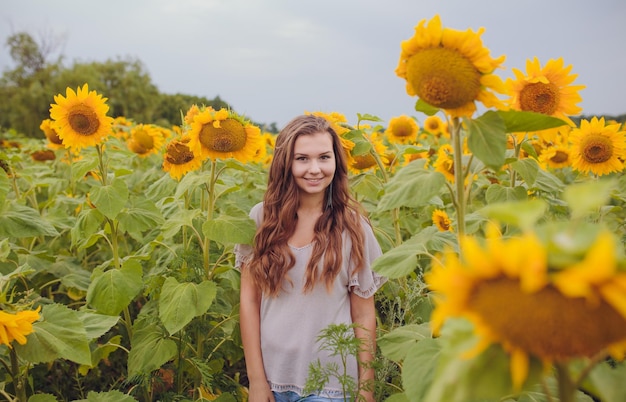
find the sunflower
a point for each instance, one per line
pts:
(54, 142)
(80, 117)
(365, 162)
(179, 158)
(445, 162)
(43, 155)
(449, 69)
(145, 139)
(441, 220)
(555, 156)
(191, 113)
(222, 134)
(17, 326)
(122, 127)
(533, 303)
(598, 148)
(435, 126)
(402, 130)
(546, 90)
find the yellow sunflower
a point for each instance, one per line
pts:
(365, 162)
(555, 156)
(15, 327)
(191, 113)
(223, 134)
(515, 294)
(54, 142)
(449, 69)
(80, 117)
(445, 162)
(598, 148)
(145, 139)
(546, 90)
(441, 220)
(402, 130)
(179, 159)
(122, 127)
(435, 126)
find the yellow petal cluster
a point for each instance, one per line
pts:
(15, 327)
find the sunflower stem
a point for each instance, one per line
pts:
(566, 385)
(395, 212)
(18, 379)
(459, 181)
(209, 216)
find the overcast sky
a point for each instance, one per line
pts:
(275, 59)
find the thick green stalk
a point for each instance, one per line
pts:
(459, 179)
(18, 379)
(566, 385)
(210, 207)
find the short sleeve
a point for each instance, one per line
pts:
(366, 282)
(243, 252)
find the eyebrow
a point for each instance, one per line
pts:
(305, 154)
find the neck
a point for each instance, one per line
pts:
(310, 205)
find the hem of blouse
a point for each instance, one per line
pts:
(378, 282)
(327, 393)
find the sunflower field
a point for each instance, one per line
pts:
(500, 213)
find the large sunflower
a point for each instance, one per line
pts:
(145, 139)
(80, 117)
(598, 148)
(449, 69)
(546, 90)
(179, 158)
(223, 134)
(533, 303)
(402, 129)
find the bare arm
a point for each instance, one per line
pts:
(250, 324)
(364, 316)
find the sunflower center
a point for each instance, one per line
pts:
(178, 153)
(560, 157)
(54, 138)
(546, 323)
(596, 148)
(443, 77)
(144, 139)
(402, 130)
(83, 120)
(539, 97)
(362, 162)
(229, 137)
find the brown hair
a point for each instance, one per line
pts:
(272, 257)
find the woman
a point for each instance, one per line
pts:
(309, 268)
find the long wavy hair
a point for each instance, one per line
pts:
(272, 257)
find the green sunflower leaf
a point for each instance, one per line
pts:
(181, 302)
(413, 186)
(21, 221)
(587, 197)
(230, 229)
(110, 199)
(487, 139)
(111, 291)
(150, 348)
(519, 121)
(428, 110)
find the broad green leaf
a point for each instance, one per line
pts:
(150, 348)
(5, 187)
(181, 302)
(95, 324)
(401, 397)
(419, 367)
(42, 398)
(396, 344)
(20, 221)
(518, 121)
(607, 382)
(183, 217)
(522, 214)
(230, 229)
(586, 197)
(111, 291)
(548, 182)
(60, 334)
(499, 193)
(110, 199)
(87, 224)
(367, 185)
(421, 106)
(361, 145)
(400, 261)
(368, 117)
(80, 168)
(141, 216)
(413, 186)
(108, 396)
(528, 169)
(487, 139)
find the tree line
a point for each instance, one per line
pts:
(27, 90)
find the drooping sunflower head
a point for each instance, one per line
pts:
(179, 159)
(80, 118)
(366, 162)
(145, 139)
(223, 134)
(402, 130)
(441, 220)
(597, 147)
(445, 162)
(534, 298)
(449, 69)
(54, 142)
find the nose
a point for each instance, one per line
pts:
(314, 167)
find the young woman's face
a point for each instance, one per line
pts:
(313, 165)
